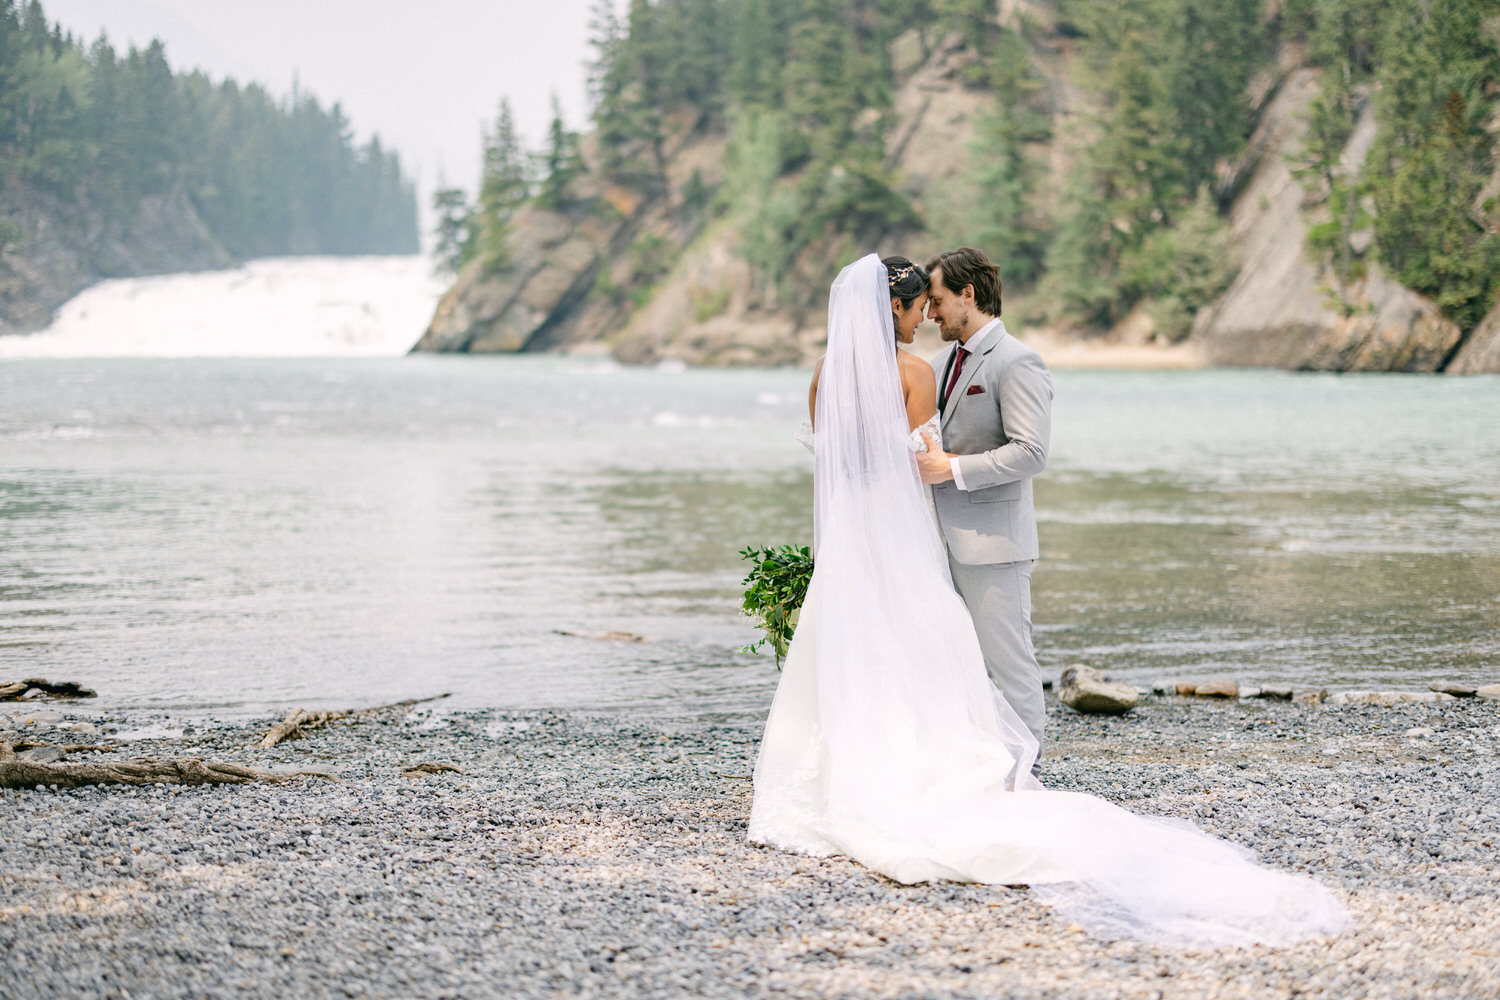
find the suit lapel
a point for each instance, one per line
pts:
(966, 377)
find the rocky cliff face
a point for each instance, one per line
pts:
(578, 276)
(62, 250)
(562, 286)
(1283, 310)
(1480, 351)
(696, 299)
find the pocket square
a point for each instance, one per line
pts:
(974, 390)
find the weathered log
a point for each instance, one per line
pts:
(17, 690)
(65, 748)
(292, 727)
(428, 767)
(141, 771)
(299, 720)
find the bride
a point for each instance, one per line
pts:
(888, 744)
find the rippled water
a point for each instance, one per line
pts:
(245, 535)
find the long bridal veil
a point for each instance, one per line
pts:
(888, 743)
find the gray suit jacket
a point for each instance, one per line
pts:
(1000, 433)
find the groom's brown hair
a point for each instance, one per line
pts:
(967, 266)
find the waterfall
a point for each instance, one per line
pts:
(275, 307)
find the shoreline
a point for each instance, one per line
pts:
(599, 855)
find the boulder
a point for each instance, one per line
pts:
(1480, 351)
(1084, 689)
(1276, 692)
(1218, 689)
(1310, 696)
(1490, 692)
(1187, 688)
(1454, 688)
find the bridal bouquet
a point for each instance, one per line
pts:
(773, 593)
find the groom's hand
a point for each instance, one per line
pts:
(935, 464)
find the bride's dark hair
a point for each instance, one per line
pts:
(907, 280)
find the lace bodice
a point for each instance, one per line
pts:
(808, 438)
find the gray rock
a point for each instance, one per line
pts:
(1311, 696)
(1276, 692)
(1480, 350)
(1084, 689)
(1386, 697)
(1218, 689)
(1454, 688)
(1490, 692)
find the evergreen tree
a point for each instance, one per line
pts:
(503, 188)
(1180, 269)
(104, 131)
(455, 233)
(562, 164)
(768, 210)
(1002, 190)
(1206, 67)
(1439, 68)
(608, 81)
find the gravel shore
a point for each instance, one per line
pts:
(586, 856)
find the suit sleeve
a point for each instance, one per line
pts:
(1025, 398)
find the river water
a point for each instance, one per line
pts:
(230, 492)
(243, 535)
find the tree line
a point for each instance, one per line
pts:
(103, 130)
(803, 89)
(1430, 72)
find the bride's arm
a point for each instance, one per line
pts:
(812, 393)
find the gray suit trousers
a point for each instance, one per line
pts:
(999, 600)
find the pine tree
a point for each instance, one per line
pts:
(1210, 50)
(456, 238)
(1002, 179)
(1439, 68)
(608, 79)
(503, 188)
(562, 164)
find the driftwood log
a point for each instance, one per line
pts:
(21, 690)
(141, 771)
(299, 720)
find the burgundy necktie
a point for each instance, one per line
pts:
(958, 367)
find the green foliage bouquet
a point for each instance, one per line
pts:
(773, 593)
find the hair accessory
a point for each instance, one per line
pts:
(900, 275)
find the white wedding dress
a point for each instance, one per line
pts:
(887, 743)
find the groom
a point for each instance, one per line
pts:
(995, 397)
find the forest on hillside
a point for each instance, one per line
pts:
(1169, 95)
(101, 130)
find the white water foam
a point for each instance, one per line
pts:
(276, 307)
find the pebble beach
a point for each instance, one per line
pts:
(583, 855)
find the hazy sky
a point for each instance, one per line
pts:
(425, 75)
